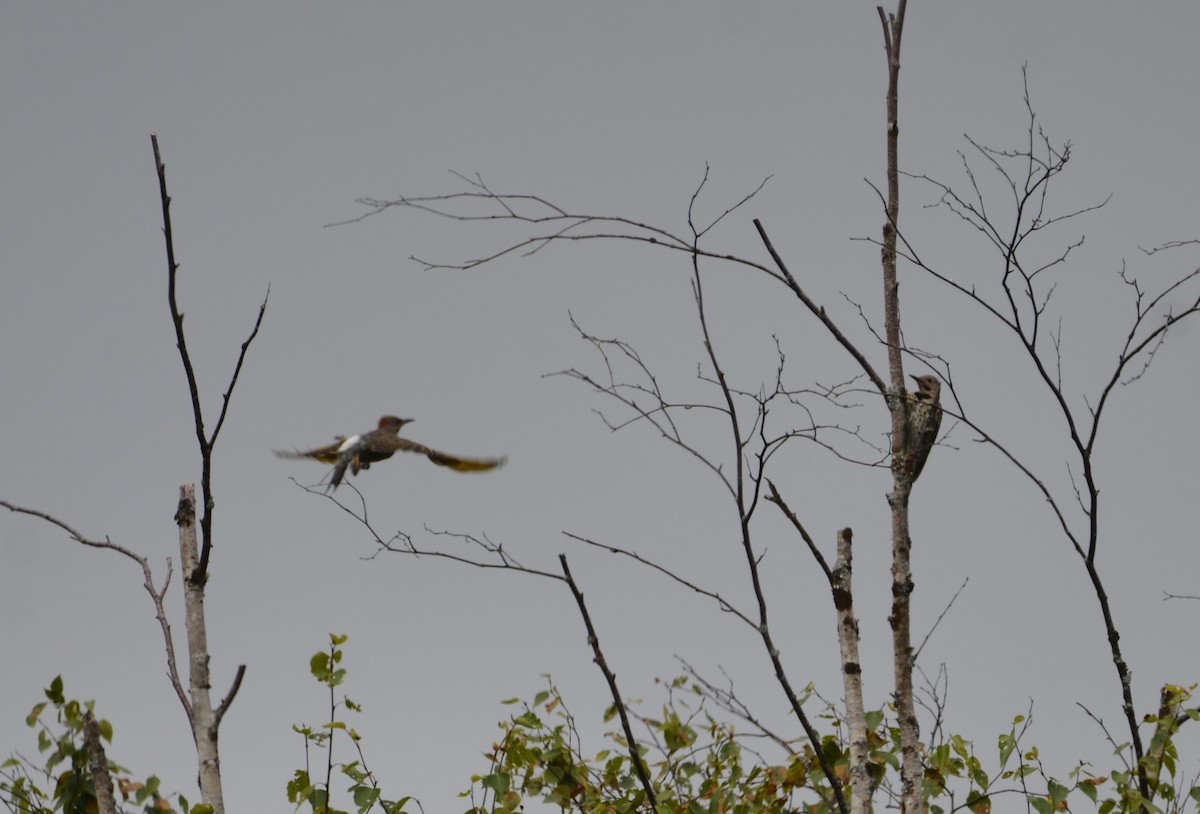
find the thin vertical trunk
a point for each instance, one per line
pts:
(902, 582)
(856, 717)
(203, 718)
(102, 781)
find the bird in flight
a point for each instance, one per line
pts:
(360, 451)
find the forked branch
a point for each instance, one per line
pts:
(206, 440)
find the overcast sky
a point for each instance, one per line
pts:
(274, 117)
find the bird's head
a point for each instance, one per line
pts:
(928, 385)
(390, 422)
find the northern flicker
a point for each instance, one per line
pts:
(360, 451)
(924, 419)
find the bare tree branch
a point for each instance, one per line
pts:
(941, 616)
(609, 676)
(819, 312)
(724, 604)
(156, 594)
(1026, 297)
(778, 500)
(207, 442)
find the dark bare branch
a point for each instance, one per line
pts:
(610, 677)
(778, 500)
(819, 311)
(205, 441)
(229, 696)
(724, 604)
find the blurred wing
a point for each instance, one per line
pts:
(326, 455)
(464, 464)
(451, 461)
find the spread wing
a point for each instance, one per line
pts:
(360, 451)
(454, 462)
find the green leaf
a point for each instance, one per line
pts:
(298, 788)
(365, 797)
(498, 782)
(528, 720)
(677, 735)
(1007, 744)
(356, 774)
(979, 803)
(55, 691)
(1058, 792)
(32, 718)
(959, 745)
(978, 775)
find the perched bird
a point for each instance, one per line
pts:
(360, 451)
(924, 419)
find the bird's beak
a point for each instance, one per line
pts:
(916, 379)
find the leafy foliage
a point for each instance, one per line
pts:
(703, 765)
(698, 763)
(65, 782)
(363, 789)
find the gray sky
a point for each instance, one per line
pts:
(274, 117)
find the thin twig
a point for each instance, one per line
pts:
(938, 621)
